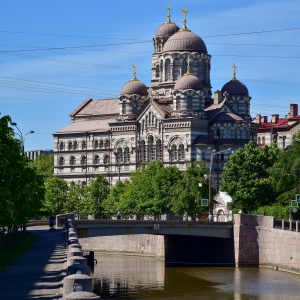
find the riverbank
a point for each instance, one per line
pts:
(38, 272)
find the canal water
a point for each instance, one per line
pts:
(132, 277)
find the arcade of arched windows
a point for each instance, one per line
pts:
(230, 132)
(122, 155)
(177, 152)
(101, 144)
(150, 151)
(150, 120)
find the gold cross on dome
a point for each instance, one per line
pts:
(169, 15)
(185, 12)
(134, 72)
(234, 73)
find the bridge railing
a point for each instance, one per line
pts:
(286, 225)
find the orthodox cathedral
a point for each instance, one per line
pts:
(176, 120)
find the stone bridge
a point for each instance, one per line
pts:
(94, 228)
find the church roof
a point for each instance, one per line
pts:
(134, 87)
(188, 82)
(97, 107)
(167, 29)
(235, 87)
(185, 41)
(86, 125)
(227, 117)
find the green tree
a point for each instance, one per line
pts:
(44, 165)
(187, 195)
(96, 193)
(111, 203)
(56, 196)
(246, 178)
(77, 194)
(149, 189)
(285, 173)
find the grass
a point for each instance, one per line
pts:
(22, 244)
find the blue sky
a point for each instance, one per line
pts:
(89, 48)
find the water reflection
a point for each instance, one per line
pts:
(130, 277)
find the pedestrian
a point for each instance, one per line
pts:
(119, 215)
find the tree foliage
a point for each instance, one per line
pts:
(44, 165)
(246, 178)
(187, 195)
(21, 188)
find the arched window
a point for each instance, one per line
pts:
(75, 145)
(178, 103)
(83, 144)
(158, 150)
(151, 150)
(105, 159)
(157, 71)
(96, 159)
(168, 69)
(119, 155)
(61, 146)
(263, 140)
(142, 151)
(96, 144)
(259, 141)
(126, 155)
(174, 152)
(106, 144)
(61, 161)
(189, 102)
(70, 146)
(181, 152)
(72, 160)
(83, 160)
(123, 108)
(101, 144)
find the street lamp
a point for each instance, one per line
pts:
(209, 177)
(22, 137)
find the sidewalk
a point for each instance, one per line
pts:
(38, 273)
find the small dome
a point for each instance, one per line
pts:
(188, 82)
(167, 29)
(134, 87)
(185, 41)
(235, 87)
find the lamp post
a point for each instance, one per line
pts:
(209, 177)
(22, 137)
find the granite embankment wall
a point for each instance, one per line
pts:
(140, 244)
(258, 243)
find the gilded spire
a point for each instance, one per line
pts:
(188, 71)
(234, 73)
(185, 12)
(169, 15)
(134, 73)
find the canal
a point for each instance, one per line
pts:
(132, 277)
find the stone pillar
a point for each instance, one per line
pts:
(82, 296)
(86, 282)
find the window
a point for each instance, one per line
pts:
(96, 159)
(157, 71)
(61, 146)
(181, 152)
(72, 160)
(168, 69)
(142, 151)
(151, 149)
(61, 161)
(105, 159)
(178, 103)
(70, 146)
(123, 108)
(203, 155)
(96, 144)
(83, 144)
(119, 156)
(83, 160)
(173, 152)
(126, 155)
(75, 145)
(101, 144)
(189, 102)
(158, 150)
(106, 144)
